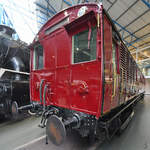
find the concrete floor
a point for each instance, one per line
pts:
(25, 135)
(14, 134)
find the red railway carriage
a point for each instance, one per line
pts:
(82, 74)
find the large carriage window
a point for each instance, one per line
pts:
(38, 57)
(84, 46)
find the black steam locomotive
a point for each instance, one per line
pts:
(14, 73)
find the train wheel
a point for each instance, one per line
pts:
(14, 111)
(55, 130)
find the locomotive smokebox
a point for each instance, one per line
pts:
(56, 127)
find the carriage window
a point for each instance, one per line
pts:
(115, 56)
(82, 49)
(38, 57)
(114, 47)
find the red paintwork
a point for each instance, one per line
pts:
(76, 86)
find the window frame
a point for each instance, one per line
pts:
(117, 53)
(34, 64)
(72, 44)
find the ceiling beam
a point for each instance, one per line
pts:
(128, 44)
(44, 8)
(140, 38)
(146, 3)
(138, 30)
(139, 50)
(136, 19)
(131, 34)
(43, 12)
(146, 43)
(68, 3)
(143, 60)
(145, 55)
(127, 10)
(112, 3)
(54, 10)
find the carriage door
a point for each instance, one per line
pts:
(85, 69)
(36, 70)
(42, 71)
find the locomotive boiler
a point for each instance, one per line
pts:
(14, 73)
(83, 75)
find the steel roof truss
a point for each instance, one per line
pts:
(127, 10)
(136, 19)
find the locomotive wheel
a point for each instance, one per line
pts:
(14, 110)
(55, 130)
